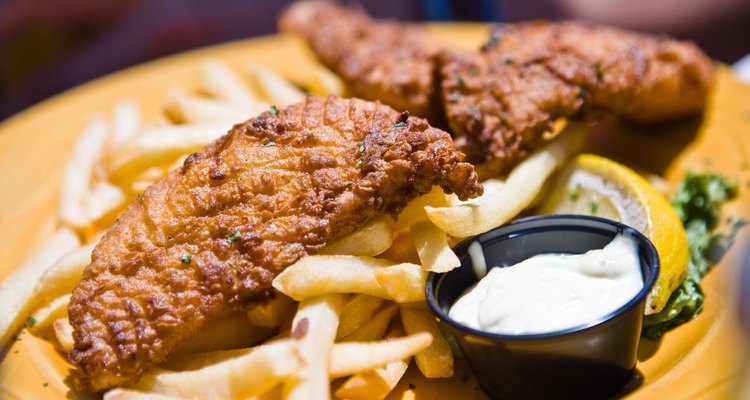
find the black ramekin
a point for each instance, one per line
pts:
(589, 361)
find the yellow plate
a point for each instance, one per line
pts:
(701, 359)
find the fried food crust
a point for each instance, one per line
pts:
(211, 236)
(380, 60)
(500, 102)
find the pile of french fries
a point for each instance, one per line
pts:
(355, 314)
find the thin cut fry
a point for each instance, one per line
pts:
(317, 275)
(326, 83)
(436, 361)
(79, 172)
(357, 311)
(433, 249)
(378, 383)
(17, 290)
(354, 357)
(276, 89)
(49, 313)
(249, 375)
(314, 329)
(63, 276)
(63, 333)
(375, 327)
(162, 145)
(371, 239)
(126, 118)
(524, 182)
(273, 312)
(130, 394)
(181, 108)
(102, 202)
(218, 80)
(414, 211)
(404, 283)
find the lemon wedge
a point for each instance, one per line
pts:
(594, 185)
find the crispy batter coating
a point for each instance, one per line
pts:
(500, 102)
(380, 60)
(211, 236)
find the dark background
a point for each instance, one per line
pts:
(47, 46)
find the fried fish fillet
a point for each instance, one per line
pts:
(211, 236)
(500, 101)
(380, 60)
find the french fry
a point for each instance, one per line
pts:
(375, 327)
(229, 332)
(126, 118)
(317, 275)
(102, 202)
(326, 83)
(218, 80)
(249, 375)
(354, 357)
(314, 330)
(273, 312)
(357, 311)
(64, 334)
(414, 211)
(181, 108)
(160, 145)
(373, 238)
(79, 171)
(433, 249)
(276, 89)
(436, 361)
(63, 276)
(377, 383)
(404, 283)
(49, 313)
(519, 190)
(130, 394)
(17, 290)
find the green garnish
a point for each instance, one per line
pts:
(399, 124)
(359, 162)
(274, 110)
(594, 207)
(412, 386)
(268, 144)
(582, 91)
(698, 202)
(234, 236)
(361, 147)
(575, 194)
(454, 97)
(599, 72)
(474, 71)
(492, 42)
(30, 321)
(473, 109)
(186, 257)
(460, 79)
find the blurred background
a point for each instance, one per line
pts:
(47, 47)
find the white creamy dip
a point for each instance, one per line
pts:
(552, 292)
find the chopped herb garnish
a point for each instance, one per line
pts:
(274, 110)
(361, 147)
(45, 384)
(599, 72)
(492, 42)
(234, 236)
(412, 386)
(473, 109)
(186, 257)
(232, 265)
(460, 79)
(582, 91)
(594, 207)
(269, 144)
(575, 194)
(474, 71)
(454, 97)
(359, 162)
(401, 121)
(30, 321)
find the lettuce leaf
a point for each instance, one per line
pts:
(698, 202)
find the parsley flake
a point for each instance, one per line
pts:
(399, 124)
(575, 194)
(460, 79)
(274, 110)
(599, 72)
(234, 236)
(594, 207)
(454, 97)
(359, 162)
(474, 71)
(492, 42)
(361, 147)
(412, 386)
(186, 257)
(30, 321)
(269, 144)
(582, 91)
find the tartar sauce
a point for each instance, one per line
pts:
(552, 292)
